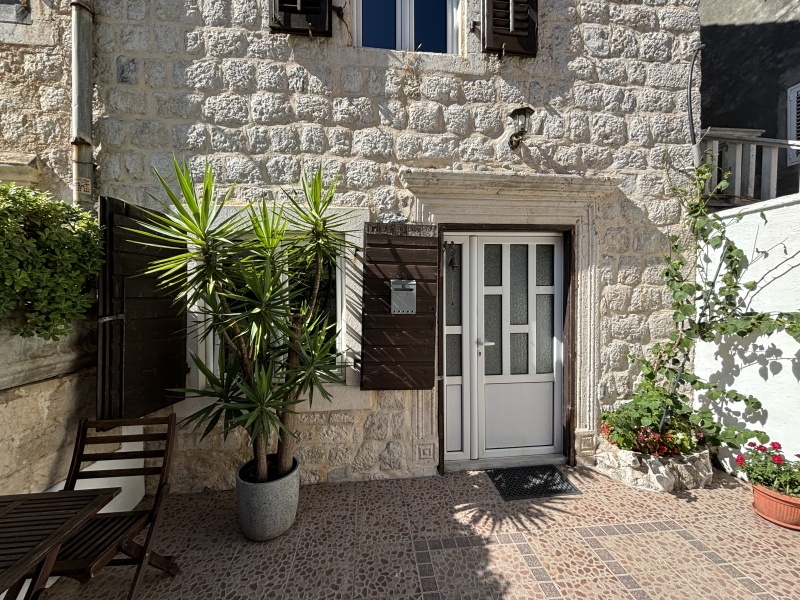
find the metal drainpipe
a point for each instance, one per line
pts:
(82, 156)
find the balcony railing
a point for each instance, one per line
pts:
(753, 163)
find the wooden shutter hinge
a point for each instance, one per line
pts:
(119, 317)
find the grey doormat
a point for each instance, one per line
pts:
(541, 481)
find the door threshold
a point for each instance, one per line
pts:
(483, 464)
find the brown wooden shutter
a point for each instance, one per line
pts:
(511, 27)
(141, 332)
(302, 17)
(399, 351)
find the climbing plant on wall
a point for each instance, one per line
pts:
(706, 276)
(50, 255)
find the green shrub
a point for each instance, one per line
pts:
(50, 255)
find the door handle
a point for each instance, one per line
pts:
(484, 343)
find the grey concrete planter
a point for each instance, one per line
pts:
(266, 510)
(658, 473)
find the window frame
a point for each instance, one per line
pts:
(208, 347)
(404, 35)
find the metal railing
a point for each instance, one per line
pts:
(742, 152)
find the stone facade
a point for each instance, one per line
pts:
(206, 78)
(657, 473)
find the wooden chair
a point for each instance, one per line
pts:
(109, 534)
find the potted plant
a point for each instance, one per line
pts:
(775, 481)
(257, 276)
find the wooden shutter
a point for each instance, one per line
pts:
(399, 351)
(302, 17)
(510, 27)
(141, 332)
(793, 122)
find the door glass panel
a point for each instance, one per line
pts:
(493, 264)
(452, 280)
(430, 25)
(379, 24)
(493, 332)
(453, 367)
(544, 333)
(519, 353)
(545, 265)
(519, 284)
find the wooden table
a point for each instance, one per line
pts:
(32, 529)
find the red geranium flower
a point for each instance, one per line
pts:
(775, 445)
(777, 459)
(751, 444)
(762, 448)
(740, 460)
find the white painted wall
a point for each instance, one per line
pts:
(766, 367)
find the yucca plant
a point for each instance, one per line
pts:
(254, 274)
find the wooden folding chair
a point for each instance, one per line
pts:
(109, 534)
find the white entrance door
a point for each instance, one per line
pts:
(502, 350)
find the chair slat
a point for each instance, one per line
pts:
(113, 423)
(121, 439)
(132, 472)
(98, 456)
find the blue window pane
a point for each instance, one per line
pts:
(379, 24)
(430, 25)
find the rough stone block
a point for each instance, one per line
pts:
(312, 139)
(135, 38)
(596, 40)
(679, 20)
(440, 147)
(340, 141)
(630, 328)
(226, 109)
(408, 146)
(271, 77)
(270, 109)
(226, 43)
(127, 70)
(224, 139)
(352, 112)
(376, 426)
(373, 142)
(425, 117)
(617, 298)
(268, 45)
(588, 97)
(238, 74)
(441, 89)
(667, 75)
(392, 457)
(362, 174)
(367, 456)
(200, 75)
(283, 169)
(352, 80)
(178, 106)
(608, 129)
(189, 137)
(476, 148)
(155, 72)
(488, 120)
(127, 101)
(313, 109)
(245, 13)
(480, 90)
(392, 113)
(53, 99)
(629, 271)
(257, 139)
(284, 139)
(667, 129)
(457, 119)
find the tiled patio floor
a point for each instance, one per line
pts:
(454, 538)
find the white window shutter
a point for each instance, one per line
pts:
(793, 122)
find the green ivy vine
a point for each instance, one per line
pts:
(709, 301)
(50, 255)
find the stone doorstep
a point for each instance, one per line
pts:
(661, 474)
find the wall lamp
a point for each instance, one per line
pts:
(519, 117)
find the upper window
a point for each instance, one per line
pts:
(15, 11)
(423, 25)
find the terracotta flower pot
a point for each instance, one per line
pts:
(776, 508)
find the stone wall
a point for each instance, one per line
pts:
(35, 91)
(198, 78)
(39, 425)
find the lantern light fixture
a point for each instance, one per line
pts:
(519, 118)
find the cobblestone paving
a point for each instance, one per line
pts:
(454, 538)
